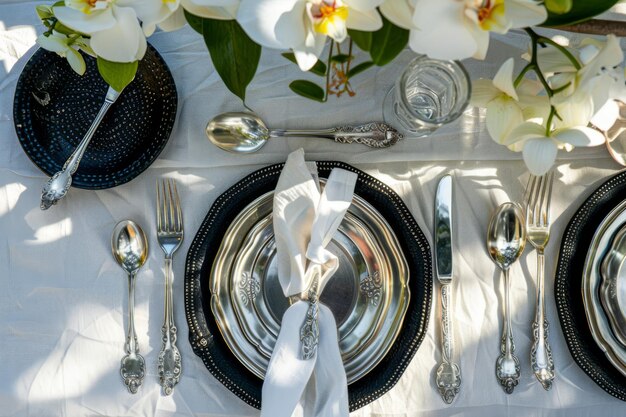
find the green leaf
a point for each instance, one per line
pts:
(308, 89)
(117, 74)
(581, 10)
(359, 68)
(341, 58)
(362, 39)
(318, 69)
(235, 56)
(559, 6)
(44, 11)
(388, 42)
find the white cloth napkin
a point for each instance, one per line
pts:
(305, 221)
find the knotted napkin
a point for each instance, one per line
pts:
(305, 375)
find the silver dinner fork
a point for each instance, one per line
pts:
(170, 235)
(539, 194)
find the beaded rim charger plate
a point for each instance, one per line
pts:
(569, 292)
(54, 107)
(205, 336)
(368, 294)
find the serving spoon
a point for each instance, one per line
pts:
(240, 132)
(506, 238)
(58, 185)
(130, 250)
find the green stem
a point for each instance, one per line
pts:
(563, 50)
(349, 54)
(550, 117)
(520, 77)
(328, 65)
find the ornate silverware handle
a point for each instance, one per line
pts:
(169, 361)
(133, 367)
(310, 332)
(540, 354)
(73, 161)
(507, 364)
(375, 135)
(59, 184)
(448, 374)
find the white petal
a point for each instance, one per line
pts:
(76, 61)
(368, 21)
(52, 43)
(307, 53)
(442, 32)
(483, 91)
(577, 111)
(481, 38)
(606, 116)
(608, 57)
(525, 131)
(220, 13)
(579, 136)
(363, 5)
(124, 42)
(175, 21)
(503, 115)
(539, 155)
(273, 23)
(504, 79)
(85, 23)
(399, 12)
(551, 60)
(525, 13)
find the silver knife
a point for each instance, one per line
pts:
(448, 377)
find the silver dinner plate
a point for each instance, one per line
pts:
(613, 285)
(598, 262)
(368, 294)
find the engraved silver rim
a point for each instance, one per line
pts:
(377, 266)
(596, 315)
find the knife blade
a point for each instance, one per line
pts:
(448, 376)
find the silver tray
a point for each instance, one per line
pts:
(368, 294)
(592, 280)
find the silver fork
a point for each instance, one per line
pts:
(539, 194)
(170, 235)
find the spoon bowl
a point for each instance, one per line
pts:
(506, 238)
(129, 245)
(130, 250)
(238, 132)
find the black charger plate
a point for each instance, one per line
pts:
(568, 286)
(54, 107)
(204, 334)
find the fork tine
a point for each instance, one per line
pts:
(158, 206)
(179, 211)
(549, 182)
(530, 199)
(163, 207)
(170, 199)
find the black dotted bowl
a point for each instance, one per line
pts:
(54, 107)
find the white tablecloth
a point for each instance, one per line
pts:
(63, 298)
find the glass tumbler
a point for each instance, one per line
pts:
(428, 94)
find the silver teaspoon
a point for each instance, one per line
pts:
(58, 185)
(130, 250)
(246, 133)
(506, 239)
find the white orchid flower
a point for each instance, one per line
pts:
(304, 25)
(539, 148)
(112, 25)
(212, 9)
(167, 14)
(400, 12)
(67, 47)
(459, 29)
(507, 107)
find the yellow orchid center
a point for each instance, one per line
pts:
(327, 16)
(87, 6)
(489, 13)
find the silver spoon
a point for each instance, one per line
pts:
(506, 239)
(58, 185)
(246, 133)
(130, 250)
